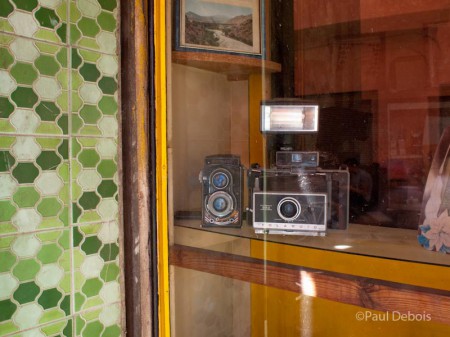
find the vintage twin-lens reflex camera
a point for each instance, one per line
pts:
(221, 179)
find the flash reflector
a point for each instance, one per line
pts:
(289, 116)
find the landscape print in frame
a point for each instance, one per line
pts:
(230, 26)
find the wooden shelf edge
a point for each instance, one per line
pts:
(236, 67)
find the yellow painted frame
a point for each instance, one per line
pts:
(161, 165)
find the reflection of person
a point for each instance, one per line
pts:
(360, 187)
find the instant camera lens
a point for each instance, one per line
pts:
(220, 204)
(289, 208)
(220, 180)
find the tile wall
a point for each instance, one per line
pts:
(59, 229)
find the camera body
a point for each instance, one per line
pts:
(300, 177)
(290, 213)
(221, 179)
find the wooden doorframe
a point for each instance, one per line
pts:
(138, 216)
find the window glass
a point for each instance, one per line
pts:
(352, 98)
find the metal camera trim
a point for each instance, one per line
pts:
(297, 205)
(266, 213)
(228, 209)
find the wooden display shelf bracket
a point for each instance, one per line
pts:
(236, 67)
(364, 292)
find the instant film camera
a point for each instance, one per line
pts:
(296, 196)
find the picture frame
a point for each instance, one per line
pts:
(220, 26)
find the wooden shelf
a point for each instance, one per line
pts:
(236, 67)
(375, 294)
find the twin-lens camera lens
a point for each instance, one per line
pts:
(220, 180)
(220, 204)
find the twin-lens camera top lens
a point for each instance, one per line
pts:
(220, 180)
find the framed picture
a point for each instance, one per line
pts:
(222, 26)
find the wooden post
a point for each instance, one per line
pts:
(136, 169)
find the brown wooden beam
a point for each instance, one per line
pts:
(135, 167)
(364, 292)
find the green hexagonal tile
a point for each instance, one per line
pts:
(108, 105)
(109, 5)
(92, 287)
(75, 33)
(49, 207)
(7, 210)
(26, 292)
(50, 298)
(107, 189)
(110, 272)
(63, 149)
(107, 21)
(109, 252)
(48, 111)
(24, 73)
(24, 97)
(89, 200)
(48, 160)
(108, 85)
(26, 269)
(76, 212)
(5, 8)
(76, 59)
(79, 301)
(63, 123)
(7, 260)
(77, 237)
(6, 161)
(91, 245)
(64, 240)
(6, 59)
(25, 173)
(88, 27)
(90, 114)
(62, 57)
(107, 168)
(76, 147)
(65, 305)
(7, 310)
(47, 17)
(26, 196)
(62, 32)
(6, 107)
(77, 123)
(49, 253)
(47, 65)
(93, 329)
(90, 72)
(27, 5)
(88, 158)
(112, 331)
